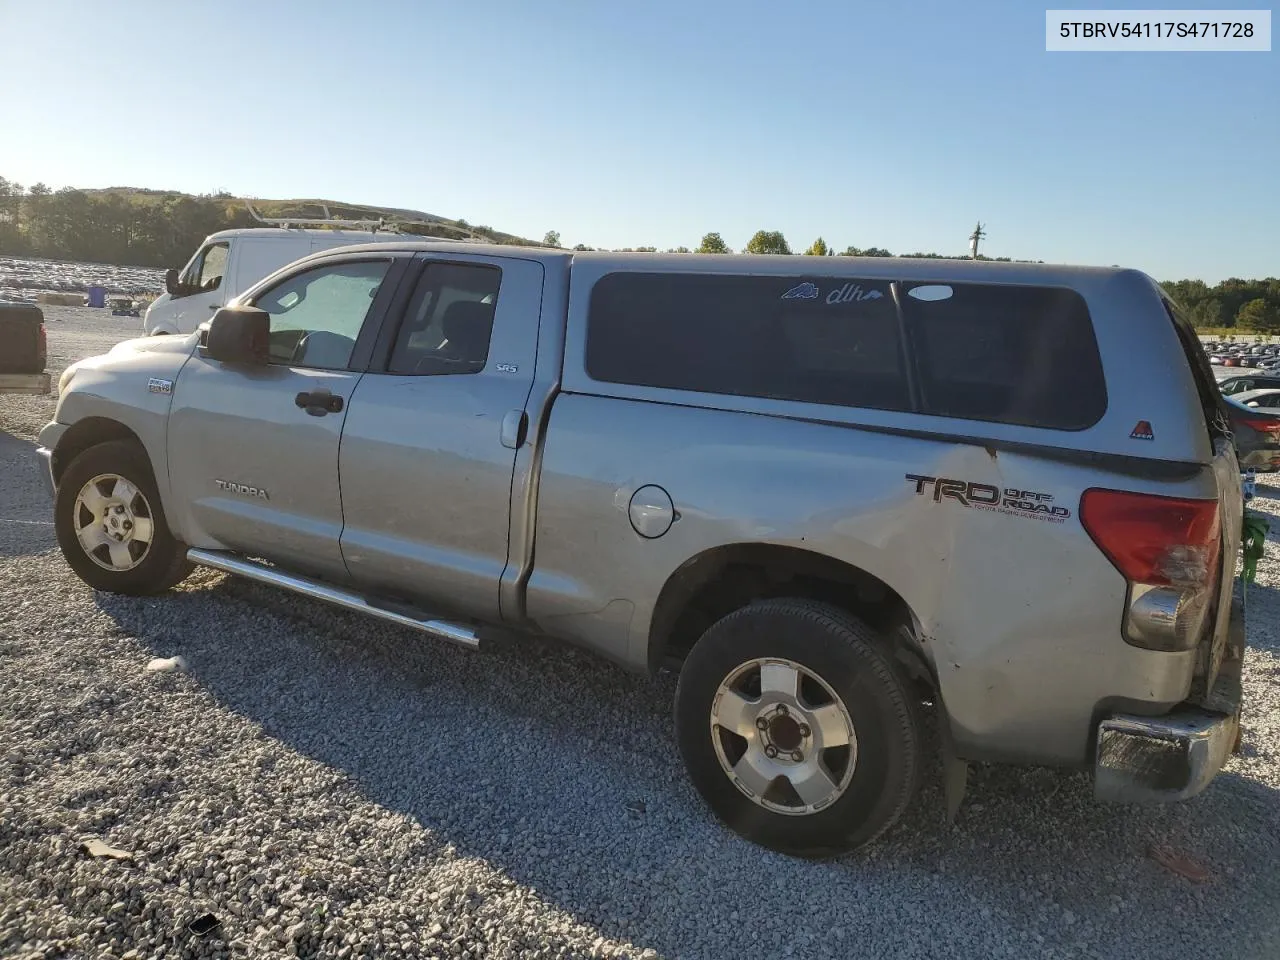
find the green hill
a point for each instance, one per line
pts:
(162, 228)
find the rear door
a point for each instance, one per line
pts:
(253, 450)
(430, 442)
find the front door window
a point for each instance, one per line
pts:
(317, 315)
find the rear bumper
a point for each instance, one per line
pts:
(1175, 756)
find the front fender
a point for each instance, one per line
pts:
(130, 386)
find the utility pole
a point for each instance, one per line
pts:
(977, 235)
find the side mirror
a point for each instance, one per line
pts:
(171, 285)
(237, 335)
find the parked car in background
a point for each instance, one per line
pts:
(1261, 397)
(23, 349)
(229, 262)
(1256, 433)
(1239, 384)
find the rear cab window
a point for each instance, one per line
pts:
(745, 336)
(1008, 354)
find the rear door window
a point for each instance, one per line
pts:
(449, 323)
(1008, 354)
(829, 341)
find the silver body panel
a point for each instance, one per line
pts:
(425, 475)
(419, 490)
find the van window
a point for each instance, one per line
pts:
(449, 321)
(820, 341)
(206, 269)
(1009, 354)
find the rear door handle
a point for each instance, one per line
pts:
(515, 425)
(318, 402)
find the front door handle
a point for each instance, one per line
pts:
(318, 402)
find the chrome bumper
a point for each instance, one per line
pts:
(1161, 759)
(50, 434)
(47, 456)
(1175, 756)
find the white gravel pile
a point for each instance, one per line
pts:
(20, 274)
(323, 785)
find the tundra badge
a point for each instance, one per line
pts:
(243, 489)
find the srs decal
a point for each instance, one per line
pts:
(802, 291)
(984, 496)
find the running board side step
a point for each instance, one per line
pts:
(230, 563)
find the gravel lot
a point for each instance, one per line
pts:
(329, 786)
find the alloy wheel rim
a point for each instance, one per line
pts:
(113, 522)
(783, 736)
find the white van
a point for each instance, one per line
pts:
(230, 262)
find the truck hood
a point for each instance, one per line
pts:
(170, 344)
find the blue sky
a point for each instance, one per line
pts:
(891, 125)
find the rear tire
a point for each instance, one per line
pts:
(814, 768)
(111, 526)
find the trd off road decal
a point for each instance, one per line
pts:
(985, 496)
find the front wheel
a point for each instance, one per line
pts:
(797, 729)
(111, 526)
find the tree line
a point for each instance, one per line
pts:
(157, 228)
(1252, 305)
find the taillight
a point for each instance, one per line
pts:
(1262, 426)
(1168, 549)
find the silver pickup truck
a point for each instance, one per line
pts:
(844, 498)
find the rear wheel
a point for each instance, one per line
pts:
(111, 526)
(797, 729)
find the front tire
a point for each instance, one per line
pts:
(111, 526)
(797, 729)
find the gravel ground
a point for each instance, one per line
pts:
(325, 785)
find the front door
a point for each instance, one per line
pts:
(430, 444)
(253, 450)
